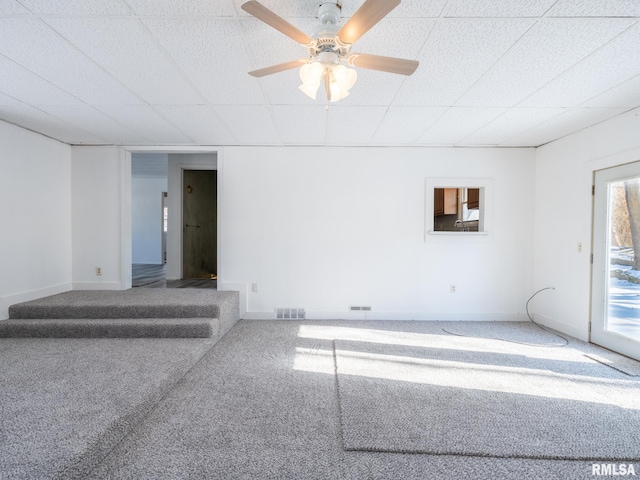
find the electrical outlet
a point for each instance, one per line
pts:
(254, 287)
(98, 271)
(452, 289)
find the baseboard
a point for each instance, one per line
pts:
(6, 302)
(400, 316)
(580, 334)
(97, 286)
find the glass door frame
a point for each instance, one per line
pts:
(600, 273)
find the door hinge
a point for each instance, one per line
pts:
(593, 189)
(591, 258)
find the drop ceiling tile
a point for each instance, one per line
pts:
(626, 94)
(456, 124)
(24, 85)
(77, 7)
(571, 121)
(301, 125)
(97, 123)
(7, 100)
(197, 8)
(282, 89)
(200, 122)
(455, 56)
(286, 9)
(610, 65)
(124, 48)
(36, 46)
(145, 121)
(394, 37)
(404, 125)
(41, 122)
(11, 7)
(209, 52)
(373, 88)
(266, 46)
(251, 125)
(601, 8)
(407, 9)
(551, 47)
(347, 125)
(510, 124)
(497, 8)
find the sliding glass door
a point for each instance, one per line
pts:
(615, 310)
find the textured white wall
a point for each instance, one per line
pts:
(564, 174)
(146, 219)
(35, 236)
(327, 228)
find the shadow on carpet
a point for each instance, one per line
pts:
(412, 392)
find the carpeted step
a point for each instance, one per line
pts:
(135, 313)
(133, 303)
(111, 328)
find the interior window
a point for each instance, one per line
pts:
(456, 209)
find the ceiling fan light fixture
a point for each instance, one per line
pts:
(310, 89)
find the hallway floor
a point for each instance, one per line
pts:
(155, 276)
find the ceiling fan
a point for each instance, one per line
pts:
(330, 45)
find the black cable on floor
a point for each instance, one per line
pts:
(551, 345)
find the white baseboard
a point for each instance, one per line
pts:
(97, 286)
(6, 302)
(580, 334)
(400, 316)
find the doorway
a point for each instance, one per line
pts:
(615, 309)
(200, 219)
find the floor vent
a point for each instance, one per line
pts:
(360, 308)
(290, 313)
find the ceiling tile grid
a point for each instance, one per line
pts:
(57, 61)
(158, 72)
(569, 121)
(46, 124)
(404, 125)
(550, 48)
(11, 7)
(614, 63)
(203, 125)
(456, 124)
(97, 123)
(123, 47)
(204, 50)
(455, 56)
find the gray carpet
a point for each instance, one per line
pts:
(67, 403)
(261, 404)
(134, 313)
(450, 395)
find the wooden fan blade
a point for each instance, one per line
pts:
(277, 68)
(383, 64)
(370, 13)
(267, 16)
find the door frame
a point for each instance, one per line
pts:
(195, 162)
(598, 332)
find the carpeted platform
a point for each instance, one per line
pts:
(436, 393)
(162, 313)
(67, 403)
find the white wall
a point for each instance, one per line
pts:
(101, 204)
(564, 175)
(147, 223)
(35, 236)
(327, 228)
